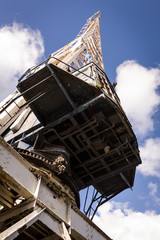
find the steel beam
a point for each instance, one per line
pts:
(13, 231)
(54, 225)
(15, 170)
(14, 211)
(55, 208)
(83, 228)
(62, 87)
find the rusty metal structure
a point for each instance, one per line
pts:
(63, 130)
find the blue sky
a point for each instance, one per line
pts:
(130, 39)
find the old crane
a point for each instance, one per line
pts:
(63, 130)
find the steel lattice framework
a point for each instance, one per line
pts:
(85, 48)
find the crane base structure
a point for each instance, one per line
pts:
(49, 210)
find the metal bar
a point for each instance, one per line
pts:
(65, 234)
(83, 228)
(14, 211)
(29, 235)
(28, 72)
(68, 115)
(83, 126)
(71, 67)
(4, 109)
(135, 152)
(52, 237)
(35, 85)
(53, 224)
(61, 86)
(114, 133)
(43, 229)
(125, 180)
(41, 232)
(107, 165)
(15, 170)
(95, 210)
(21, 95)
(91, 202)
(111, 152)
(113, 173)
(6, 195)
(85, 200)
(3, 201)
(102, 202)
(73, 153)
(13, 231)
(4, 127)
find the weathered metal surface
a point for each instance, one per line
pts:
(84, 49)
(86, 144)
(49, 158)
(16, 210)
(89, 122)
(53, 205)
(58, 101)
(15, 170)
(13, 231)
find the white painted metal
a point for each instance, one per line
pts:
(65, 234)
(59, 210)
(84, 228)
(13, 231)
(16, 171)
(20, 120)
(16, 210)
(51, 223)
(31, 121)
(10, 106)
(84, 49)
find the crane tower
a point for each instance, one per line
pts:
(63, 131)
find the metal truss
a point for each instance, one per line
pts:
(34, 205)
(93, 200)
(85, 48)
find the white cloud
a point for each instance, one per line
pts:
(136, 87)
(20, 49)
(153, 187)
(122, 223)
(150, 155)
(152, 198)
